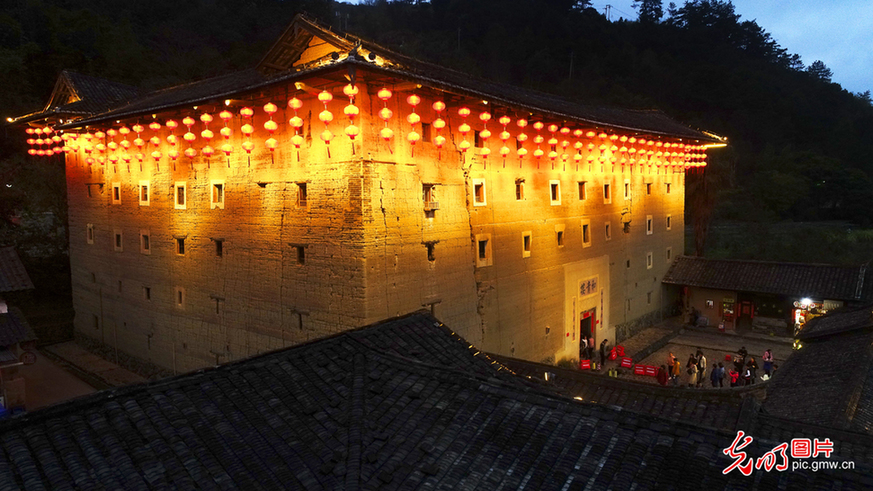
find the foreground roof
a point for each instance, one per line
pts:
(838, 321)
(13, 276)
(818, 281)
(404, 404)
(346, 53)
(828, 381)
(14, 328)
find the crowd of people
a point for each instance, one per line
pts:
(742, 370)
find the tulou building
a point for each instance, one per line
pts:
(337, 183)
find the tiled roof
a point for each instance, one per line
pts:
(817, 281)
(840, 320)
(349, 412)
(712, 408)
(827, 382)
(94, 95)
(399, 66)
(14, 328)
(13, 276)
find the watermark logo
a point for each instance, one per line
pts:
(800, 449)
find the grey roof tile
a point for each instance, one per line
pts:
(283, 420)
(818, 281)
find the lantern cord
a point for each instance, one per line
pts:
(250, 160)
(328, 150)
(228, 162)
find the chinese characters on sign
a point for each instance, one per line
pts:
(588, 286)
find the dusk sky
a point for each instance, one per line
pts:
(838, 33)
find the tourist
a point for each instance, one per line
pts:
(677, 370)
(662, 375)
(735, 376)
(768, 362)
(713, 376)
(583, 346)
(604, 349)
(590, 347)
(743, 354)
(691, 369)
(753, 369)
(701, 367)
(720, 375)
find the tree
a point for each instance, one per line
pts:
(820, 71)
(650, 11)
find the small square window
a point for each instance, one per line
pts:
(669, 222)
(145, 243)
(627, 305)
(608, 230)
(649, 260)
(119, 286)
(143, 193)
(648, 298)
(586, 233)
(519, 190)
(89, 233)
(648, 188)
(525, 244)
(302, 196)
(146, 293)
(425, 132)
(627, 189)
(219, 247)
(669, 254)
(667, 190)
(431, 256)
(479, 192)
(93, 278)
(581, 190)
(628, 263)
(560, 237)
(96, 321)
(116, 193)
(555, 192)
(180, 246)
(217, 195)
(607, 194)
(301, 254)
(118, 241)
(181, 198)
(649, 228)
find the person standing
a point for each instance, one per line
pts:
(662, 375)
(753, 370)
(701, 367)
(768, 362)
(583, 347)
(604, 347)
(590, 347)
(735, 377)
(691, 369)
(743, 354)
(720, 375)
(677, 369)
(713, 376)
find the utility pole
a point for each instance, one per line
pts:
(606, 10)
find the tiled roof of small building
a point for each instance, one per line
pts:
(350, 412)
(829, 381)
(840, 320)
(398, 66)
(14, 328)
(13, 276)
(817, 281)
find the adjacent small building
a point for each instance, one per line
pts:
(17, 339)
(729, 292)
